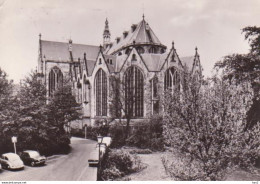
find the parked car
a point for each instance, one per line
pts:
(32, 158)
(11, 161)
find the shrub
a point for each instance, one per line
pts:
(111, 173)
(140, 151)
(117, 135)
(148, 134)
(118, 163)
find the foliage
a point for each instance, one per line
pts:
(252, 33)
(148, 134)
(63, 108)
(38, 126)
(118, 163)
(118, 106)
(7, 111)
(116, 133)
(207, 124)
(246, 68)
(140, 151)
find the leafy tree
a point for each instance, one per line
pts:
(252, 33)
(7, 111)
(246, 68)
(61, 110)
(205, 125)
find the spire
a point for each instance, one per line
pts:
(40, 61)
(106, 35)
(143, 16)
(196, 52)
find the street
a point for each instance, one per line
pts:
(71, 167)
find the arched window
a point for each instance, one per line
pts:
(134, 92)
(140, 50)
(127, 51)
(101, 93)
(196, 76)
(79, 89)
(55, 80)
(133, 57)
(171, 79)
(155, 99)
(153, 50)
(85, 89)
(162, 51)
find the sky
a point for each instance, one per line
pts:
(214, 26)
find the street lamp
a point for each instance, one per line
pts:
(99, 139)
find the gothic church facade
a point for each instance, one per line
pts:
(137, 57)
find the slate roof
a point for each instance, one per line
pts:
(110, 66)
(154, 62)
(187, 61)
(59, 51)
(142, 34)
(90, 66)
(120, 60)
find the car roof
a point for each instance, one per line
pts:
(9, 154)
(28, 151)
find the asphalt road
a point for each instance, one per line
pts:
(71, 167)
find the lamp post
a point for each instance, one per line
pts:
(99, 139)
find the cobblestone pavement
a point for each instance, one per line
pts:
(71, 167)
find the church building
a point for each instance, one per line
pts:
(137, 57)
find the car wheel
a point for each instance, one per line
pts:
(8, 167)
(32, 164)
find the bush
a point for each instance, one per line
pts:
(140, 151)
(118, 163)
(148, 134)
(117, 135)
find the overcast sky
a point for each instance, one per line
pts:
(214, 26)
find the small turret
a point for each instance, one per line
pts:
(106, 35)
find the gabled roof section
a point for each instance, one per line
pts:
(120, 60)
(90, 64)
(188, 62)
(142, 34)
(192, 62)
(111, 62)
(59, 51)
(172, 56)
(154, 62)
(78, 51)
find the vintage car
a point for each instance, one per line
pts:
(32, 158)
(11, 161)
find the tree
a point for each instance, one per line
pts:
(205, 125)
(252, 33)
(61, 110)
(121, 105)
(7, 111)
(246, 68)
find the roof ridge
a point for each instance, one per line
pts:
(68, 43)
